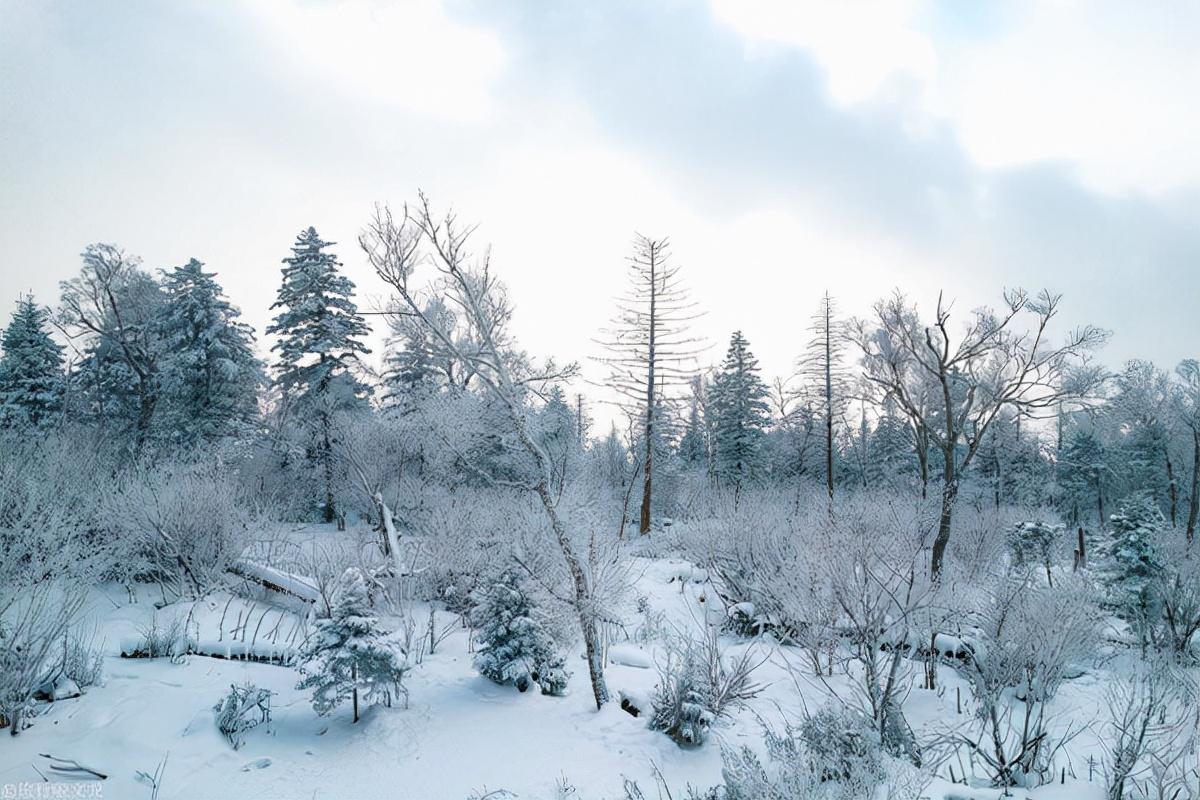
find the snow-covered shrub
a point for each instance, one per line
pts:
(241, 710)
(841, 744)
(1032, 544)
(31, 627)
(514, 646)
(349, 652)
(794, 771)
(1176, 590)
(697, 687)
(1145, 727)
(190, 521)
(158, 640)
(1029, 640)
(81, 659)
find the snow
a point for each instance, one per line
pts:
(630, 656)
(460, 732)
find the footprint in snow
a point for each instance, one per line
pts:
(258, 763)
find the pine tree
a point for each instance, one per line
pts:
(1131, 557)
(349, 653)
(31, 375)
(693, 445)
(319, 330)
(514, 647)
(209, 376)
(410, 372)
(740, 410)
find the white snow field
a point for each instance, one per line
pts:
(460, 735)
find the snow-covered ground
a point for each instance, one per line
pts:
(459, 736)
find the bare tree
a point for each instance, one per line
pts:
(992, 366)
(824, 372)
(394, 248)
(114, 301)
(648, 347)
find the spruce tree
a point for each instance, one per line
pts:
(320, 332)
(740, 410)
(31, 374)
(410, 373)
(514, 647)
(209, 376)
(1132, 560)
(350, 654)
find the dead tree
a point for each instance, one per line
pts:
(394, 249)
(992, 366)
(822, 368)
(648, 348)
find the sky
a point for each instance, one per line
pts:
(786, 147)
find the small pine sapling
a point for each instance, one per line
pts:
(514, 646)
(349, 652)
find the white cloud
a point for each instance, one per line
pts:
(1109, 88)
(861, 45)
(410, 55)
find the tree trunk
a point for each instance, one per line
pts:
(647, 478)
(354, 677)
(330, 512)
(828, 404)
(949, 494)
(583, 605)
(1172, 489)
(1194, 499)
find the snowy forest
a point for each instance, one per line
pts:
(950, 554)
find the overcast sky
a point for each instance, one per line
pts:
(787, 148)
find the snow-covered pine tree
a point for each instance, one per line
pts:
(349, 652)
(208, 374)
(740, 413)
(1132, 559)
(410, 374)
(514, 647)
(893, 458)
(320, 332)
(31, 373)
(693, 445)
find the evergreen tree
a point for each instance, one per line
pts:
(111, 307)
(320, 332)
(893, 458)
(31, 374)
(556, 433)
(410, 370)
(693, 445)
(1084, 474)
(349, 653)
(514, 647)
(1132, 560)
(209, 376)
(739, 404)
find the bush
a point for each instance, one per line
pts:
(241, 710)
(514, 646)
(697, 688)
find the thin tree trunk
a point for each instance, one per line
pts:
(828, 404)
(1194, 499)
(354, 677)
(949, 494)
(1172, 489)
(647, 478)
